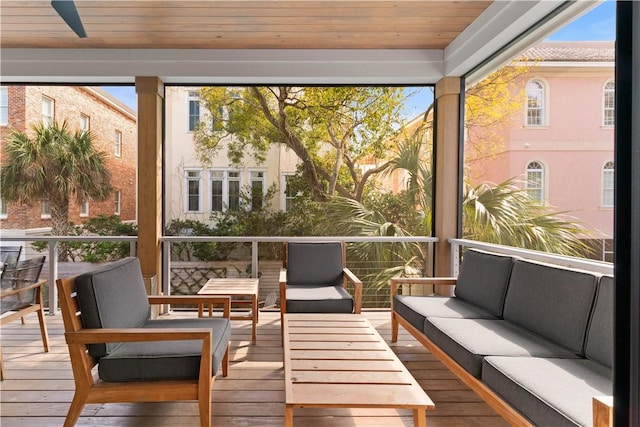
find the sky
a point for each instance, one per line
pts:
(596, 25)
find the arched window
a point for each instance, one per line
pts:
(535, 181)
(608, 107)
(608, 185)
(535, 103)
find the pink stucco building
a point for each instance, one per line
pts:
(560, 144)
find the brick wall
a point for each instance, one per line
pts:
(106, 116)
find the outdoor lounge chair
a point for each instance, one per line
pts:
(314, 278)
(106, 316)
(9, 255)
(22, 294)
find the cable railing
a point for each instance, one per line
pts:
(53, 243)
(252, 264)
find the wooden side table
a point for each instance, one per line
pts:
(235, 287)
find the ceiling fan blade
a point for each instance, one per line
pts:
(67, 10)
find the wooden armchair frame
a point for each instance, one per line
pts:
(348, 277)
(90, 389)
(37, 307)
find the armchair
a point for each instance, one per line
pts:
(313, 279)
(9, 255)
(106, 315)
(22, 294)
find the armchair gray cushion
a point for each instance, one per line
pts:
(162, 360)
(318, 299)
(317, 263)
(113, 296)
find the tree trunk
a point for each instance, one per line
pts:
(60, 223)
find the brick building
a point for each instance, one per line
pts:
(113, 126)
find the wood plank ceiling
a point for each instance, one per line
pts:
(239, 24)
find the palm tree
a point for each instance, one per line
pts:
(57, 166)
(502, 214)
(505, 214)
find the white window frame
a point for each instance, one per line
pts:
(4, 209)
(48, 110)
(607, 198)
(117, 143)
(542, 108)
(117, 202)
(84, 208)
(193, 97)
(45, 209)
(4, 105)
(253, 177)
(85, 122)
(226, 176)
(187, 179)
(539, 189)
(285, 200)
(608, 104)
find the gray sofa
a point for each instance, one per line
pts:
(535, 340)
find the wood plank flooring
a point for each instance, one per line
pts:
(40, 386)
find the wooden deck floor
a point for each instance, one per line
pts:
(40, 386)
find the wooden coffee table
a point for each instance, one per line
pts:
(235, 287)
(340, 361)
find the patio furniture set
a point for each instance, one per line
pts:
(533, 340)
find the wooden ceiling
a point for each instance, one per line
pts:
(240, 24)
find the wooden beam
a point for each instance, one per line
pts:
(446, 174)
(150, 91)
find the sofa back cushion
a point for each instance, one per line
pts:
(483, 279)
(112, 296)
(551, 301)
(599, 345)
(317, 263)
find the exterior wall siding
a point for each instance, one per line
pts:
(180, 155)
(573, 145)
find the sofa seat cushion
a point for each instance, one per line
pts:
(162, 360)
(415, 309)
(468, 341)
(550, 392)
(318, 299)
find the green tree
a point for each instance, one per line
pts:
(502, 214)
(55, 165)
(332, 130)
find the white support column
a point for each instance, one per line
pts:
(53, 276)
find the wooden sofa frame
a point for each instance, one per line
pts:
(602, 405)
(90, 389)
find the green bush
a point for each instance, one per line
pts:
(93, 251)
